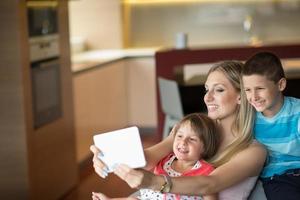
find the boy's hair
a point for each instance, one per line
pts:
(266, 64)
(207, 131)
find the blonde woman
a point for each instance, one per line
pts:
(239, 159)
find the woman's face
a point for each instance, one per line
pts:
(187, 145)
(221, 97)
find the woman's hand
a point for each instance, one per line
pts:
(100, 168)
(137, 178)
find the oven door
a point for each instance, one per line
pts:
(46, 88)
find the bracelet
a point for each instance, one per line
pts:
(167, 185)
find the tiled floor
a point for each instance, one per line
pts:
(111, 186)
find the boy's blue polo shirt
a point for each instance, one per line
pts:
(281, 136)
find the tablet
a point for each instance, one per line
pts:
(121, 146)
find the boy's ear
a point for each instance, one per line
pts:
(281, 84)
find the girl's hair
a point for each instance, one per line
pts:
(243, 123)
(206, 129)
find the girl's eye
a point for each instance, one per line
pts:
(179, 136)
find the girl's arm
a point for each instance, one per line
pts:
(153, 155)
(158, 151)
(246, 163)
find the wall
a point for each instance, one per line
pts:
(97, 21)
(213, 24)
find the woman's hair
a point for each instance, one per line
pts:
(243, 123)
(206, 129)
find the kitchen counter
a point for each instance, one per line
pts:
(95, 58)
(195, 74)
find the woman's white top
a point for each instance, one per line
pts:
(239, 191)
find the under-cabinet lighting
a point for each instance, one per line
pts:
(199, 1)
(41, 3)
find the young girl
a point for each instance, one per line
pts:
(195, 139)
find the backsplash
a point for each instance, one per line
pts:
(212, 24)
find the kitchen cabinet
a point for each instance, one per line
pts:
(113, 95)
(36, 163)
(100, 102)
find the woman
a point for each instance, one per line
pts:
(239, 159)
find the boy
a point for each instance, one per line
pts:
(277, 125)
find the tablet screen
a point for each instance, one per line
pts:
(121, 146)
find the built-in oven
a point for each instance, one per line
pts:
(46, 91)
(45, 61)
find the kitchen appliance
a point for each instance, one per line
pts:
(43, 29)
(46, 91)
(45, 62)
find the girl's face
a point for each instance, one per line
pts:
(221, 97)
(187, 145)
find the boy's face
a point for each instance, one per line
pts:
(263, 94)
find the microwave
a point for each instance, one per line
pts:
(42, 18)
(43, 29)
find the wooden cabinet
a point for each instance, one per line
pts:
(35, 163)
(141, 91)
(100, 100)
(112, 96)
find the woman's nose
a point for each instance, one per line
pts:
(208, 96)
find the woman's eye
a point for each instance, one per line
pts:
(219, 90)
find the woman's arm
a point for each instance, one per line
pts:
(210, 197)
(246, 163)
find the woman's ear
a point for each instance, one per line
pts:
(281, 84)
(239, 99)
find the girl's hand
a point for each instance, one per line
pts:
(135, 178)
(99, 196)
(100, 168)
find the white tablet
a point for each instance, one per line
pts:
(121, 146)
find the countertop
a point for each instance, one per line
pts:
(95, 58)
(195, 74)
